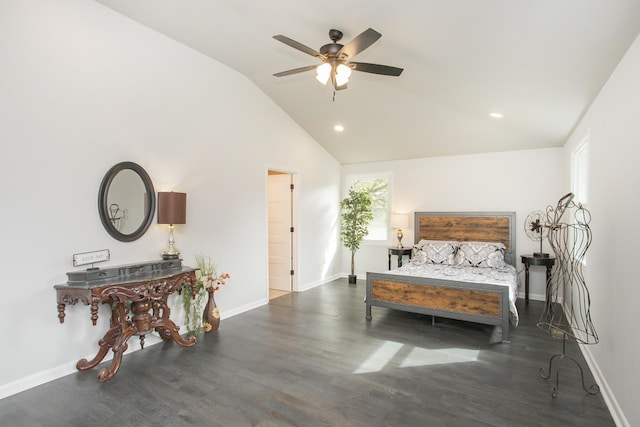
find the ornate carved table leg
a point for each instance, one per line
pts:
(124, 331)
(141, 319)
(118, 350)
(105, 344)
(108, 340)
(167, 329)
(61, 312)
(94, 310)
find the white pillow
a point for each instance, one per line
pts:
(434, 252)
(481, 254)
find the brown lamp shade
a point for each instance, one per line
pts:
(172, 208)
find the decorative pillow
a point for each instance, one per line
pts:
(418, 256)
(481, 254)
(435, 252)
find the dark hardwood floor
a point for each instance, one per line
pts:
(311, 359)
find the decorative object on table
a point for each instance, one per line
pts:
(399, 221)
(536, 230)
(172, 210)
(92, 257)
(356, 216)
(208, 281)
(567, 310)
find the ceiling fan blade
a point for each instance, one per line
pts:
(296, 45)
(295, 71)
(376, 68)
(360, 43)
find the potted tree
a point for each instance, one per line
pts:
(356, 216)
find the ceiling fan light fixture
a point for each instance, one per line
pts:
(343, 73)
(323, 73)
(337, 58)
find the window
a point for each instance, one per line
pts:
(378, 184)
(579, 186)
(580, 171)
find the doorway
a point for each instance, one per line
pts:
(280, 209)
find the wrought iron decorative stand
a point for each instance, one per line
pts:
(592, 389)
(567, 310)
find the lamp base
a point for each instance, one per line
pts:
(171, 252)
(400, 236)
(540, 255)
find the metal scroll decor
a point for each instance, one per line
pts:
(567, 310)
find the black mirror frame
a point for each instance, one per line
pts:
(103, 204)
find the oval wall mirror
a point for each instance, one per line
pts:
(126, 201)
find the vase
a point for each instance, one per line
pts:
(211, 315)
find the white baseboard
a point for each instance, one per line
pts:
(36, 379)
(607, 394)
(317, 283)
(533, 297)
(225, 314)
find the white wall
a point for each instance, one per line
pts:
(520, 181)
(613, 125)
(82, 88)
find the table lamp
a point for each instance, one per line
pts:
(172, 210)
(399, 221)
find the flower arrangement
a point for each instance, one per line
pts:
(207, 282)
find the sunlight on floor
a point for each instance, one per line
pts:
(395, 353)
(275, 293)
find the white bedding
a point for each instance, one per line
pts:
(506, 276)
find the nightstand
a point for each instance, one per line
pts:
(529, 260)
(400, 252)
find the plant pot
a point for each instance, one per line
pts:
(352, 279)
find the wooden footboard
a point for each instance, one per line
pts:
(474, 302)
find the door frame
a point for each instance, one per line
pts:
(295, 179)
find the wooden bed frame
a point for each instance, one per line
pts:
(473, 302)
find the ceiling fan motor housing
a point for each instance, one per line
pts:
(331, 49)
(335, 35)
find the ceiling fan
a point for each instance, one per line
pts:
(336, 58)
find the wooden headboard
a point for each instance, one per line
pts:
(469, 227)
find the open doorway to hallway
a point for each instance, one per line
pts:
(280, 201)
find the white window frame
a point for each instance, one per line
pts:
(381, 237)
(580, 175)
(580, 171)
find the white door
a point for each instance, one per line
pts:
(280, 231)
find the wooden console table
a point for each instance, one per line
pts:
(137, 295)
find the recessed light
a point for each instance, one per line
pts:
(338, 128)
(496, 115)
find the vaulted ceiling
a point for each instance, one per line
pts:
(540, 63)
